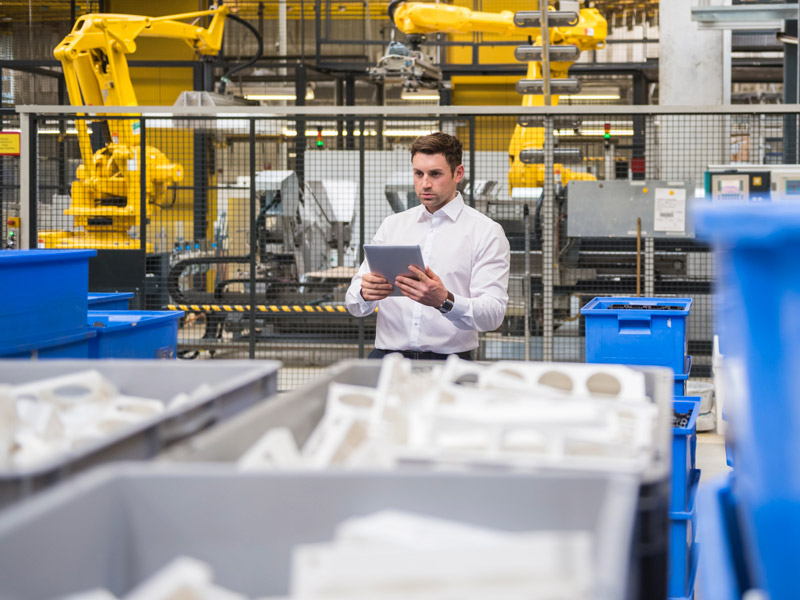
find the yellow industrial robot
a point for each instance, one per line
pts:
(106, 196)
(589, 33)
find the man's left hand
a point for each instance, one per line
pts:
(427, 289)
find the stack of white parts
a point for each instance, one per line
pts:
(50, 418)
(396, 556)
(508, 415)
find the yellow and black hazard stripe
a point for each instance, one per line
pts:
(264, 308)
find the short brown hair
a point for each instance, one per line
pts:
(439, 143)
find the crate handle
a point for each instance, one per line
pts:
(179, 430)
(639, 325)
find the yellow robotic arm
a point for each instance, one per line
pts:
(105, 199)
(589, 33)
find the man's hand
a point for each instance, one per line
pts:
(427, 289)
(375, 287)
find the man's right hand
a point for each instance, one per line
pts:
(375, 287)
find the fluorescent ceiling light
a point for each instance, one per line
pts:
(280, 94)
(593, 132)
(591, 97)
(423, 95)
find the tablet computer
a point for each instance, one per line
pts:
(391, 261)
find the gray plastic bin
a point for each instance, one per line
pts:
(117, 525)
(235, 386)
(301, 410)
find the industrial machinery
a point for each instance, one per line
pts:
(413, 70)
(106, 198)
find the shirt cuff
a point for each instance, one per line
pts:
(460, 307)
(366, 305)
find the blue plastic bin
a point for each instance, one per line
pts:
(723, 572)
(110, 300)
(637, 331)
(45, 294)
(134, 334)
(684, 451)
(682, 377)
(757, 255)
(683, 554)
(75, 345)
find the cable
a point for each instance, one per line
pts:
(226, 78)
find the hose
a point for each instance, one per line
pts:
(226, 78)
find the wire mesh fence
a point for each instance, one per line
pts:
(253, 224)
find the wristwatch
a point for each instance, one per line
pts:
(446, 306)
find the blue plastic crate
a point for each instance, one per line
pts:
(723, 572)
(684, 451)
(683, 551)
(756, 249)
(110, 300)
(682, 377)
(637, 331)
(134, 334)
(75, 345)
(45, 294)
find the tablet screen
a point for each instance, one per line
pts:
(391, 261)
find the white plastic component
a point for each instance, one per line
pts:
(8, 425)
(184, 399)
(69, 390)
(276, 449)
(178, 580)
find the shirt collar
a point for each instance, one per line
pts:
(451, 210)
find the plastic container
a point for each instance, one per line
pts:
(683, 553)
(234, 386)
(301, 409)
(75, 345)
(134, 334)
(116, 526)
(723, 573)
(45, 294)
(684, 451)
(682, 378)
(637, 331)
(110, 300)
(757, 248)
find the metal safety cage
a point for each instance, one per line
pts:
(253, 223)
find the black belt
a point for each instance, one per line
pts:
(420, 355)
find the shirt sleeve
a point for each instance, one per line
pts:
(356, 305)
(485, 309)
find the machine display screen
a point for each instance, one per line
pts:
(793, 187)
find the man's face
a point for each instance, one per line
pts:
(434, 182)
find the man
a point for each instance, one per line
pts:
(464, 287)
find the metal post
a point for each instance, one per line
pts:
(471, 199)
(27, 194)
(545, 29)
(142, 185)
(649, 260)
(790, 82)
(361, 223)
(300, 127)
(252, 307)
(350, 100)
(548, 241)
(526, 281)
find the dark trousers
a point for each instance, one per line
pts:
(418, 355)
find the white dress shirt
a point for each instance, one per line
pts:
(471, 255)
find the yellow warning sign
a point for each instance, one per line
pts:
(9, 143)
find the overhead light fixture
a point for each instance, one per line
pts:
(420, 95)
(277, 94)
(591, 97)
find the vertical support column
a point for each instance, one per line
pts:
(548, 242)
(526, 281)
(638, 145)
(790, 79)
(143, 185)
(380, 101)
(649, 261)
(27, 182)
(362, 204)
(300, 127)
(350, 100)
(471, 199)
(252, 308)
